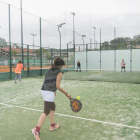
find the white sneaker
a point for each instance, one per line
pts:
(21, 83)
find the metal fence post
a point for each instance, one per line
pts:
(67, 55)
(27, 60)
(40, 50)
(51, 57)
(86, 57)
(131, 57)
(10, 43)
(115, 49)
(21, 32)
(74, 55)
(100, 49)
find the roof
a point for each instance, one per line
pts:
(6, 49)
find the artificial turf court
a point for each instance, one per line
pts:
(111, 111)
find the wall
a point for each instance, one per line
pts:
(107, 59)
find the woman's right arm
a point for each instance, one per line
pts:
(58, 82)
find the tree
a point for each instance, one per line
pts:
(119, 43)
(136, 40)
(135, 37)
(14, 52)
(3, 42)
(17, 47)
(105, 45)
(127, 39)
(46, 54)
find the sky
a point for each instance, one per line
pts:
(124, 15)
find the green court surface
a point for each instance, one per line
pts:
(103, 75)
(110, 111)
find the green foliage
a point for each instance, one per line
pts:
(17, 47)
(45, 53)
(117, 43)
(48, 56)
(14, 52)
(3, 42)
(105, 45)
(25, 58)
(121, 43)
(136, 40)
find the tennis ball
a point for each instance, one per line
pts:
(78, 97)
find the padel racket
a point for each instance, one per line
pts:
(75, 105)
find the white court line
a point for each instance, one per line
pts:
(21, 97)
(121, 125)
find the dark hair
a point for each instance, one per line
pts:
(58, 62)
(20, 61)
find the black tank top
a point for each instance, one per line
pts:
(50, 79)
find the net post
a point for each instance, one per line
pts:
(86, 57)
(40, 49)
(10, 42)
(100, 49)
(79, 48)
(67, 55)
(27, 60)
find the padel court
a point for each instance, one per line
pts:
(110, 110)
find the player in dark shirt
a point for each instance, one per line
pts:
(79, 66)
(51, 83)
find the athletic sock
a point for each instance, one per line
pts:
(53, 124)
(38, 128)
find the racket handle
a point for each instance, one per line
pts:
(68, 96)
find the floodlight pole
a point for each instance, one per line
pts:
(60, 39)
(21, 31)
(73, 30)
(94, 36)
(83, 40)
(60, 25)
(70, 44)
(33, 46)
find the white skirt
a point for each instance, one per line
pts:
(48, 95)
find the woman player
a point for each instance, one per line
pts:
(51, 83)
(79, 66)
(18, 70)
(123, 65)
